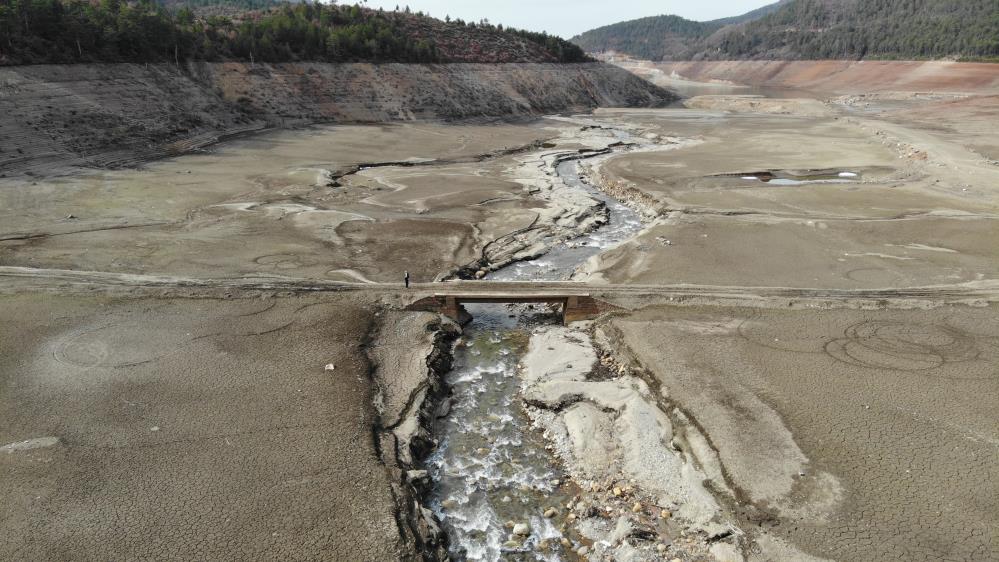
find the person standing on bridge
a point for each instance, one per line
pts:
(406, 279)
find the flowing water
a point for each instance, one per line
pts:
(564, 258)
(491, 469)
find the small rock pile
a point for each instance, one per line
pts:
(617, 521)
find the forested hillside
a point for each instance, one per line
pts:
(754, 14)
(226, 8)
(853, 29)
(817, 29)
(74, 31)
(661, 37)
(652, 38)
(244, 5)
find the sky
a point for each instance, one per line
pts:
(569, 17)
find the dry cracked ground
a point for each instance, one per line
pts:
(830, 326)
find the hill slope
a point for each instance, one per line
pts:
(180, 81)
(113, 115)
(652, 38)
(817, 29)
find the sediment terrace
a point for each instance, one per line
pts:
(833, 76)
(55, 117)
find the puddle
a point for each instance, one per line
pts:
(783, 178)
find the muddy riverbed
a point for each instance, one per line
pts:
(563, 258)
(494, 477)
(499, 490)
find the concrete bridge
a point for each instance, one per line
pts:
(574, 307)
(68, 281)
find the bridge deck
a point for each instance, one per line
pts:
(65, 280)
(560, 297)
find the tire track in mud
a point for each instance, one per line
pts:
(914, 348)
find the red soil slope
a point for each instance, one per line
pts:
(844, 77)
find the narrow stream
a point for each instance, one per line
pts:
(490, 468)
(562, 260)
(493, 477)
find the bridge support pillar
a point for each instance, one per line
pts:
(455, 311)
(578, 309)
(575, 308)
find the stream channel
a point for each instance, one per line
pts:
(491, 468)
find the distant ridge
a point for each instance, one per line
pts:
(661, 37)
(814, 29)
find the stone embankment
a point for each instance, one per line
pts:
(54, 117)
(412, 354)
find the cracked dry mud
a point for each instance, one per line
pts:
(826, 354)
(882, 405)
(190, 429)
